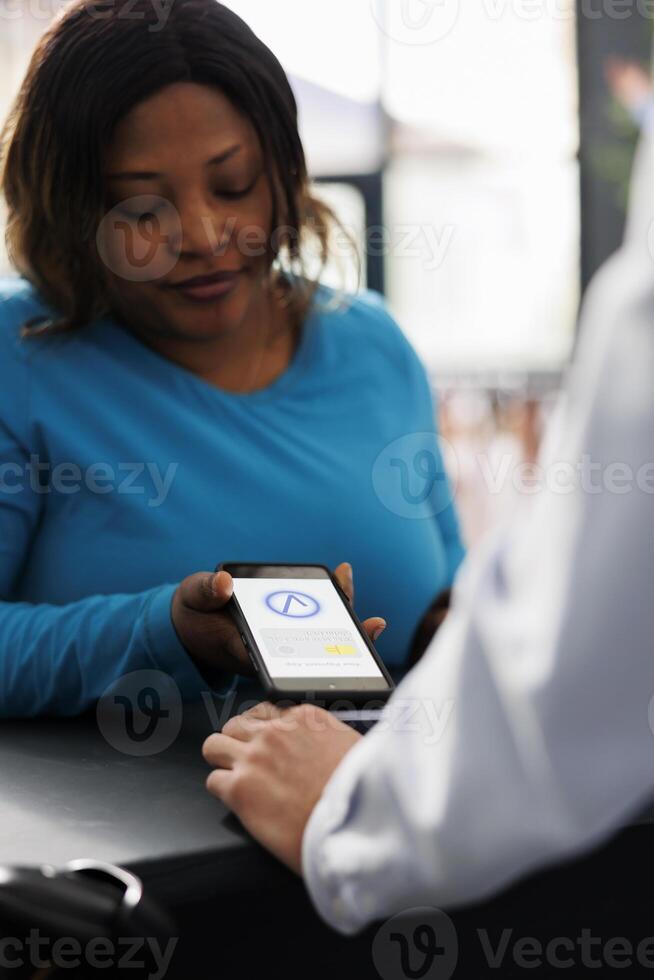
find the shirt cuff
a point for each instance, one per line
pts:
(333, 892)
(165, 647)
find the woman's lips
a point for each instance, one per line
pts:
(207, 288)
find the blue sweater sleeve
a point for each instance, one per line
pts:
(60, 659)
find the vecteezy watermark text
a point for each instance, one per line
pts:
(140, 239)
(68, 478)
(141, 714)
(415, 23)
(100, 953)
(424, 942)
(564, 952)
(563, 477)
(47, 10)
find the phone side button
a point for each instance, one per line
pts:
(252, 660)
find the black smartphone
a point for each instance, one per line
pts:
(303, 636)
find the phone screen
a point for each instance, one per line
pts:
(304, 630)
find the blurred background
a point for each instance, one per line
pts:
(479, 154)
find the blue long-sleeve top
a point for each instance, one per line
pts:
(122, 472)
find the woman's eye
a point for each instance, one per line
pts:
(235, 195)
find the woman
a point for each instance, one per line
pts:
(174, 390)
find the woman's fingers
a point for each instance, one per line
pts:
(345, 579)
(374, 627)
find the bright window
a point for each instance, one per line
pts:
(483, 183)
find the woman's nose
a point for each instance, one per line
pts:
(205, 230)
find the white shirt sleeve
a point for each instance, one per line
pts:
(523, 736)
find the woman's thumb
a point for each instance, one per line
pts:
(207, 591)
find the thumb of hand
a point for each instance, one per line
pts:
(206, 591)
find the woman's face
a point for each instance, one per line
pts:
(187, 235)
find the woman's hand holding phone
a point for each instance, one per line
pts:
(208, 632)
(206, 629)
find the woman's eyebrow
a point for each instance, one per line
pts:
(152, 175)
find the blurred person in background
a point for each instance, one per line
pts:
(175, 390)
(631, 84)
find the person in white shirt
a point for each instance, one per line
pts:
(531, 734)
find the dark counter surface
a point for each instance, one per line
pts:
(68, 793)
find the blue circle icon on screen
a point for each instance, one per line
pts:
(293, 605)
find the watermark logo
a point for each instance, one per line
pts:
(141, 714)
(419, 944)
(416, 22)
(140, 239)
(416, 475)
